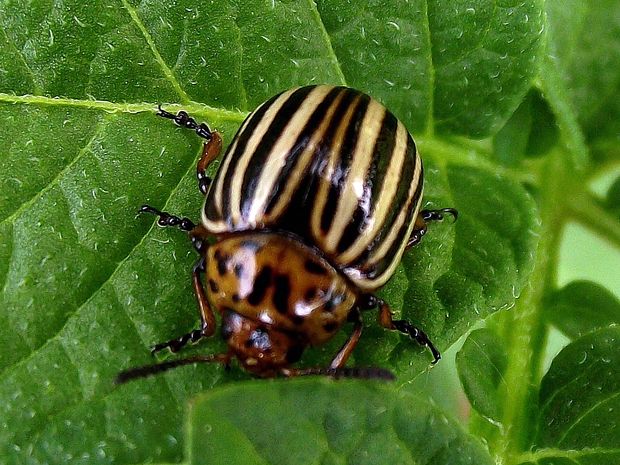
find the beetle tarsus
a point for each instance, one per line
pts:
(165, 219)
(439, 215)
(419, 336)
(178, 343)
(426, 216)
(185, 121)
(385, 319)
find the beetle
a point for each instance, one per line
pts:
(315, 201)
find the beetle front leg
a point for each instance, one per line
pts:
(210, 152)
(347, 349)
(165, 219)
(386, 320)
(422, 220)
(207, 318)
(212, 146)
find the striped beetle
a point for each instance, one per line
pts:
(314, 203)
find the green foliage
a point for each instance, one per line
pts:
(88, 287)
(386, 427)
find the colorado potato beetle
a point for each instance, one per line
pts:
(315, 201)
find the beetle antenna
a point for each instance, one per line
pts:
(156, 368)
(344, 372)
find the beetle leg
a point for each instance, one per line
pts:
(185, 121)
(207, 318)
(419, 228)
(210, 151)
(344, 372)
(166, 219)
(212, 146)
(347, 349)
(150, 370)
(385, 320)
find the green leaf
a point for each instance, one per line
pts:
(481, 50)
(305, 421)
(580, 73)
(481, 364)
(579, 400)
(585, 43)
(88, 287)
(582, 306)
(530, 132)
(612, 200)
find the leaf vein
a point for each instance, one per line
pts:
(195, 108)
(168, 74)
(585, 415)
(94, 292)
(243, 91)
(328, 41)
(56, 180)
(430, 120)
(11, 42)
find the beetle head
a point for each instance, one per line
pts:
(260, 349)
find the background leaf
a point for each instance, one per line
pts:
(581, 307)
(325, 423)
(579, 402)
(481, 365)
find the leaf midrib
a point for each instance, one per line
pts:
(196, 108)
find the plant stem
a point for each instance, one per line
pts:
(524, 326)
(588, 212)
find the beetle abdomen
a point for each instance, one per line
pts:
(331, 165)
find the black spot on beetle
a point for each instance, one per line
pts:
(238, 270)
(313, 267)
(222, 262)
(281, 293)
(261, 283)
(236, 298)
(213, 285)
(330, 327)
(310, 294)
(297, 320)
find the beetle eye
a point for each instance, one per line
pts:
(260, 339)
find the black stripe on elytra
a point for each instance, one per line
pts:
(375, 175)
(404, 185)
(259, 288)
(386, 260)
(342, 166)
(242, 138)
(314, 268)
(397, 203)
(296, 217)
(258, 160)
(292, 158)
(281, 293)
